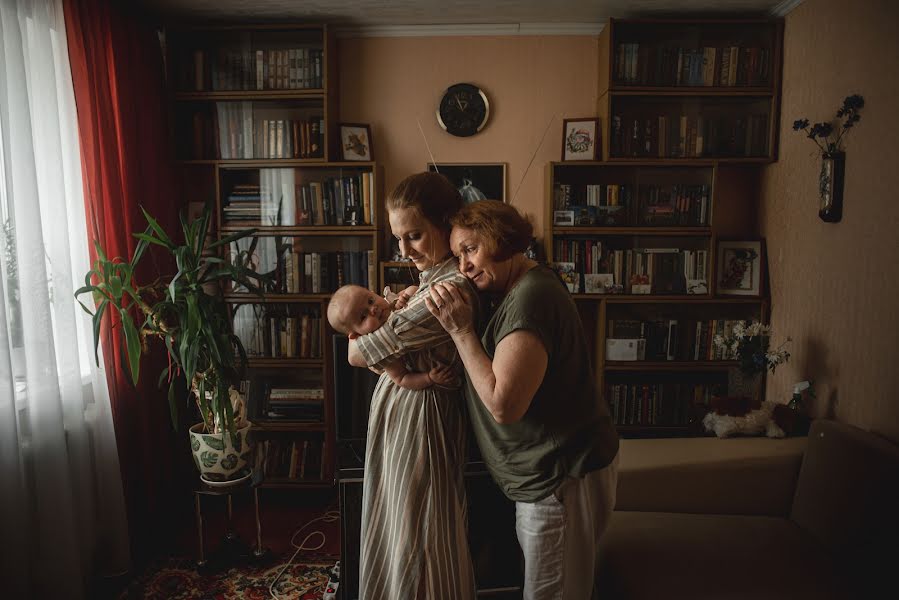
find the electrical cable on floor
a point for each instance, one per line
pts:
(328, 517)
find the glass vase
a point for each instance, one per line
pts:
(830, 186)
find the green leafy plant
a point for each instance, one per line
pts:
(824, 134)
(194, 324)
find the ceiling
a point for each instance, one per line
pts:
(385, 13)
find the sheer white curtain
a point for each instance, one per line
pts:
(62, 514)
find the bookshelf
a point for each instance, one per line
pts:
(321, 232)
(690, 89)
(648, 230)
(255, 119)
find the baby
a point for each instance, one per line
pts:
(355, 310)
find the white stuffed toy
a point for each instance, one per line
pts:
(755, 422)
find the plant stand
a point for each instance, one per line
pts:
(232, 550)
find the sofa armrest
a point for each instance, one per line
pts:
(746, 476)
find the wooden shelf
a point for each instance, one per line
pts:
(633, 231)
(239, 298)
(684, 299)
(633, 90)
(684, 365)
(242, 95)
(286, 482)
(250, 163)
(396, 264)
(282, 425)
(283, 363)
(318, 230)
(693, 161)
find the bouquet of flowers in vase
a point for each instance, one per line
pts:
(751, 346)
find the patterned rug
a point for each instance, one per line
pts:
(177, 579)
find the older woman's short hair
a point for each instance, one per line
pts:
(431, 194)
(504, 231)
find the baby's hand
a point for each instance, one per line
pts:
(442, 375)
(403, 297)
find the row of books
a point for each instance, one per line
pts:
(243, 133)
(674, 339)
(300, 459)
(295, 404)
(341, 201)
(267, 334)
(632, 270)
(682, 136)
(244, 68)
(613, 205)
(724, 66)
(337, 201)
(659, 404)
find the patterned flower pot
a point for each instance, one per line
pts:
(216, 457)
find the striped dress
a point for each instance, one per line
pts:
(414, 521)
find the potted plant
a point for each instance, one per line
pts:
(187, 312)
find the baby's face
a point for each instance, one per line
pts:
(366, 312)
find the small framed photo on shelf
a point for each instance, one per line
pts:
(570, 277)
(563, 218)
(599, 283)
(486, 181)
(355, 142)
(740, 267)
(580, 139)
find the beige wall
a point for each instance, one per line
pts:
(393, 82)
(835, 286)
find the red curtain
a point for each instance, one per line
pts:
(117, 71)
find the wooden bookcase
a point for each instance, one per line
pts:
(255, 120)
(675, 209)
(688, 89)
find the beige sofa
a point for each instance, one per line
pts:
(705, 518)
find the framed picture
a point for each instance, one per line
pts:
(563, 218)
(580, 139)
(485, 181)
(740, 267)
(599, 283)
(355, 142)
(570, 277)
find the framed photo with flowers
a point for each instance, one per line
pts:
(580, 139)
(740, 267)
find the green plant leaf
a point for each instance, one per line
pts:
(202, 230)
(153, 240)
(132, 342)
(139, 250)
(158, 230)
(98, 321)
(101, 256)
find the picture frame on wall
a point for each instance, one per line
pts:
(475, 181)
(356, 142)
(740, 267)
(580, 139)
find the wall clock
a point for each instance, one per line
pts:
(463, 110)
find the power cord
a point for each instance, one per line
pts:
(328, 517)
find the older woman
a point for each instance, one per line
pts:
(414, 536)
(543, 429)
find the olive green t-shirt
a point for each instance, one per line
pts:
(567, 430)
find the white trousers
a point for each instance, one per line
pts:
(560, 534)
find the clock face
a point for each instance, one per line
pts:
(463, 110)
